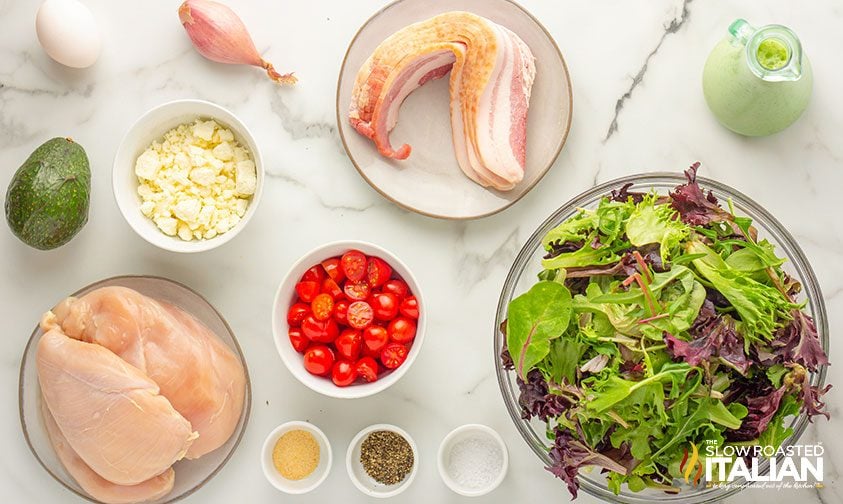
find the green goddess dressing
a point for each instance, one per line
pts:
(757, 82)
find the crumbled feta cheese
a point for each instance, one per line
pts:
(226, 135)
(167, 224)
(197, 182)
(245, 178)
(145, 192)
(184, 232)
(223, 151)
(187, 210)
(203, 176)
(240, 154)
(182, 161)
(242, 205)
(223, 225)
(204, 129)
(147, 165)
(147, 208)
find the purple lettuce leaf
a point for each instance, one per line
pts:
(809, 395)
(812, 404)
(622, 455)
(556, 248)
(568, 455)
(762, 403)
(713, 336)
(696, 207)
(651, 253)
(506, 357)
(623, 194)
(624, 267)
(799, 342)
(541, 399)
(537, 397)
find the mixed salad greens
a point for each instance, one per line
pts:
(659, 321)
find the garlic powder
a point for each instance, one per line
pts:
(197, 182)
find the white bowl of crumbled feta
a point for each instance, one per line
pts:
(188, 176)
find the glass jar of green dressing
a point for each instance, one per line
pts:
(757, 81)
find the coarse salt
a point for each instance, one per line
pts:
(475, 462)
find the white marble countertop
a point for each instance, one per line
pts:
(638, 106)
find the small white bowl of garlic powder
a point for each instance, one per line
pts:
(188, 176)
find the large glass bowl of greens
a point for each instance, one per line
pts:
(649, 317)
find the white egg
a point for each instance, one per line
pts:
(68, 32)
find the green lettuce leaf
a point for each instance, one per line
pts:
(604, 394)
(574, 229)
(563, 359)
(585, 256)
(762, 308)
(652, 223)
(534, 318)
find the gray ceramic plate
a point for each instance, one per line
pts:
(430, 181)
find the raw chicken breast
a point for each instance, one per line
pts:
(110, 413)
(492, 74)
(95, 485)
(200, 375)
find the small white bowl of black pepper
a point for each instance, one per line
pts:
(382, 460)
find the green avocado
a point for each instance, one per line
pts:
(47, 201)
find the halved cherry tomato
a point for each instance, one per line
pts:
(397, 287)
(322, 306)
(378, 272)
(297, 313)
(385, 305)
(360, 314)
(314, 274)
(343, 373)
(318, 360)
(320, 331)
(393, 355)
(348, 344)
(410, 307)
(307, 290)
(375, 338)
(341, 312)
(329, 286)
(353, 265)
(367, 368)
(332, 268)
(375, 354)
(298, 340)
(401, 330)
(357, 291)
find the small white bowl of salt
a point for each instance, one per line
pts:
(473, 460)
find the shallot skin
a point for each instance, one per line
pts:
(219, 34)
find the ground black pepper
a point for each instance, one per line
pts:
(387, 457)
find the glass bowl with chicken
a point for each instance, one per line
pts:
(133, 389)
(655, 323)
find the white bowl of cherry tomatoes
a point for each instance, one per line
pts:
(348, 319)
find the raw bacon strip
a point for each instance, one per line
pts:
(492, 73)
